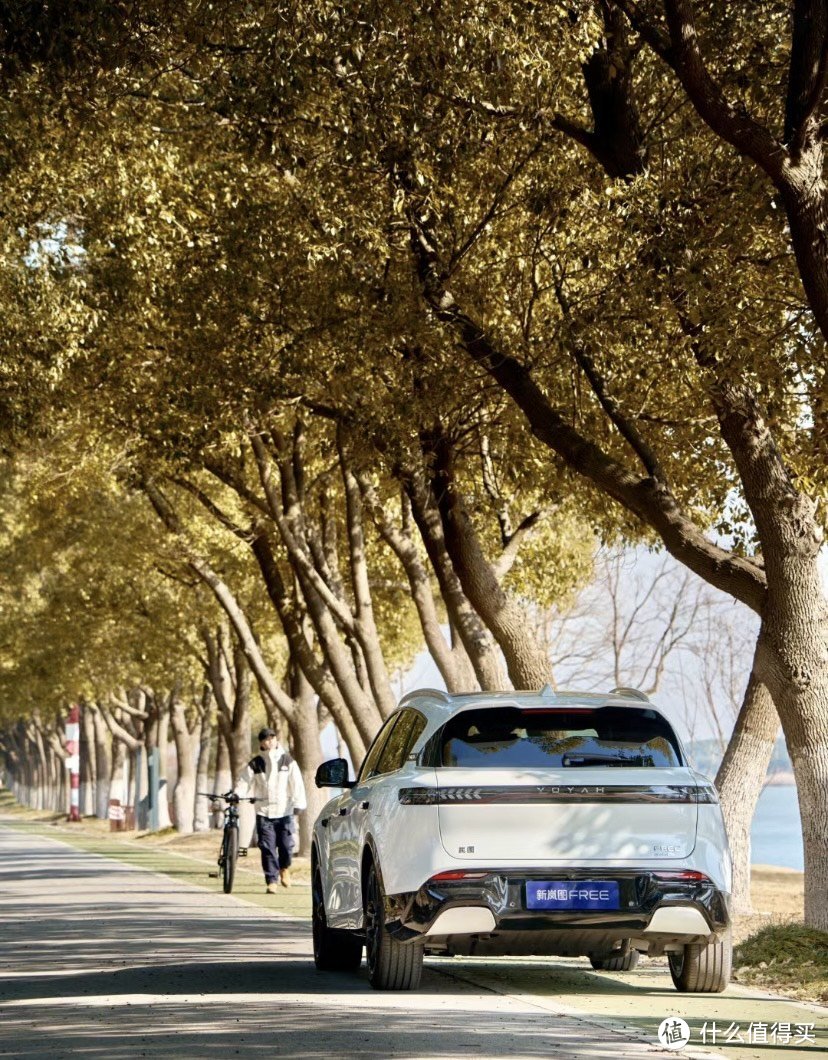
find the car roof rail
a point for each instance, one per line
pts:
(630, 693)
(419, 693)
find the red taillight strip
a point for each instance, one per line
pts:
(686, 874)
(557, 710)
(457, 874)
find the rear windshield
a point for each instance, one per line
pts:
(509, 737)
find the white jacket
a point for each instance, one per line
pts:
(273, 779)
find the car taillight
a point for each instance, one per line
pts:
(558, 710)
(457, 874)
(688, 875)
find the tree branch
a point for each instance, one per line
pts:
(807, 73)
(649, 498)
(682, 52)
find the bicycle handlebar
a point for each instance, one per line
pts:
(229, 797)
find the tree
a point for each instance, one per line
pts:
(498, 215)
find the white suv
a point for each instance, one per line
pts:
(522, 823)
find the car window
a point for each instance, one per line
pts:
(559, 738)
(368, 767)
(415, 733)
(400, 742)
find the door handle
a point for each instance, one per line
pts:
(364, 805)
(324, 822)
(343, 811)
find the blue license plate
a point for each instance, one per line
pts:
(572, 894)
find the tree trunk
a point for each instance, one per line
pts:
(361, 707)
(164, 820)
(139, 776)
(104, 767)
(239, 734)
(232, 693)
(804, 196)
(455, 667)
(368, 634)
(792, 653)
(118, 783)
(42, 771)
(28, 758)
(201, 815)
(304, 736)
(321, 681)
(741, 777)
(25, 766)
(223, 778)
(462, 616)
(793, 663)
(528, 664)
(183, 798)
(88, 765)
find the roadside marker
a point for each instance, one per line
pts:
(73, 761)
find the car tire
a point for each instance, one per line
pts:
(333, 951)
(392, 965)
(702, 968)
(229, 856)
(621, 962)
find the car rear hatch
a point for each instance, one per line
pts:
(563, 784)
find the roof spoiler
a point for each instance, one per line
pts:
(630, 693)
(425, 693)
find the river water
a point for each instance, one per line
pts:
(776, 836)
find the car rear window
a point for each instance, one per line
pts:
(512, 738)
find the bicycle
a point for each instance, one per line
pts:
(230, 851)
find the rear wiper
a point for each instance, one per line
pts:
(612, 760)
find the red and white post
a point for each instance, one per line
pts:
(73, 761)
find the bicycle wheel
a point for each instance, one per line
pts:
(230, 853)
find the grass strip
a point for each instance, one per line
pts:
(789, 954)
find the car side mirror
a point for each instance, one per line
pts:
(333, 774)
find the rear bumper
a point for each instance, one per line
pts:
(656, 909)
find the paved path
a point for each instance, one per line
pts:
(100, 959)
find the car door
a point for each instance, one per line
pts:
(343, 860)
(330, 853)
(375, 794)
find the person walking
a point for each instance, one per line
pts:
(273, 779)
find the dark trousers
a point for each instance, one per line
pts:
(275, 836)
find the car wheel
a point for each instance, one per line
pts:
(702, 969)
(621, 962)
(333, 951)
(392, 965)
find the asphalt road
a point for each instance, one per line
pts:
(102, 959)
